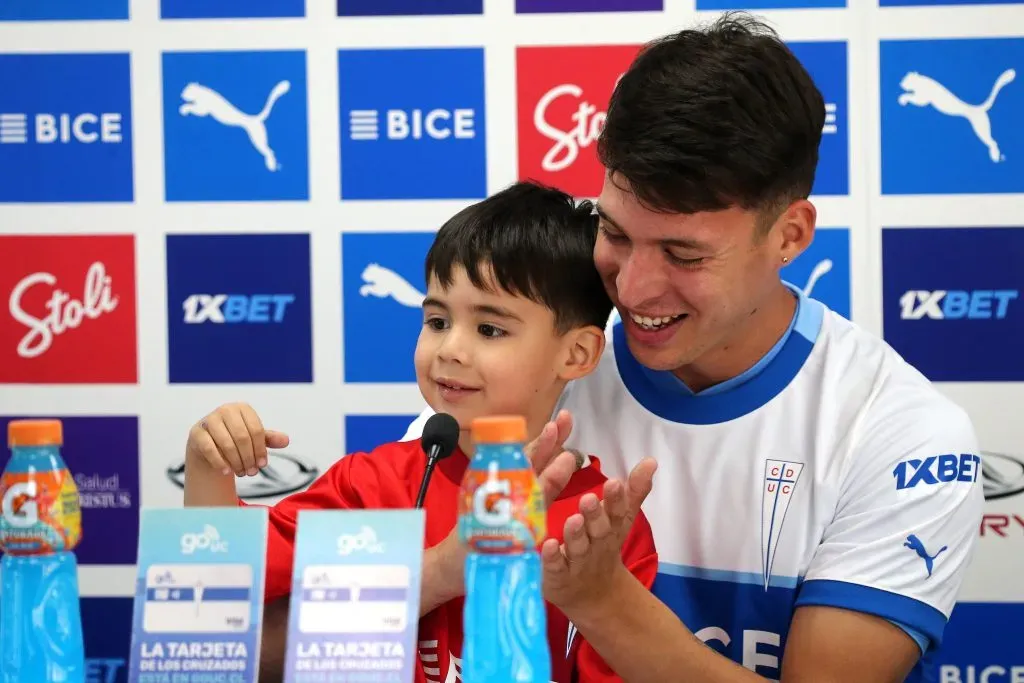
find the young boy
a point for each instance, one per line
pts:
(514, 310)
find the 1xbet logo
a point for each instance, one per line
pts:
(952, 305)
(417, 113)
(65, 128)
(236, 308)
(955, 319)
(230, 320)
(937, 470)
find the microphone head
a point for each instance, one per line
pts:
(441, 432)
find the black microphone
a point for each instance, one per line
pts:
(440, 436)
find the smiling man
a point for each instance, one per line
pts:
(817, 500)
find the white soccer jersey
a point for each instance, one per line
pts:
(832, 473)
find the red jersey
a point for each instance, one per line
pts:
(389, 477)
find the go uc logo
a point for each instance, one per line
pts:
(209, 539)
(365, 541)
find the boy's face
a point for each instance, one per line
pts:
(490, 352)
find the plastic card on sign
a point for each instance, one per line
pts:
(199, 595)
(355, 596)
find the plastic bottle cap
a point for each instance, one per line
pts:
(35, 433)
(499, 429)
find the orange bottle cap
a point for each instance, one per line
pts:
(499, 429)
(35, 433)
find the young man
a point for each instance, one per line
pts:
(514, 310)
(818, 500)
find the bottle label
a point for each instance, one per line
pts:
(40, 512)
(501, 511)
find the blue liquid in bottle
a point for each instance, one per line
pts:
(502, 519)
(40, 525)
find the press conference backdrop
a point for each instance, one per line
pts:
(205, 201)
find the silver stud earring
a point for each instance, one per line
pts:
(785, 259)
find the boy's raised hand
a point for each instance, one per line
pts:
(232, 439)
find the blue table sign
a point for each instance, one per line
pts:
(354, 611)
(199, 595)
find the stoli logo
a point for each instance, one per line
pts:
(71, 309)
(562, 111)
(63, 312)
(587, 121)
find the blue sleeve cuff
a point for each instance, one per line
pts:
(908, 613)
(921, 639)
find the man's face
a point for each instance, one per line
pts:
(685, 285)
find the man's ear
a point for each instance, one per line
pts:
(583, 349)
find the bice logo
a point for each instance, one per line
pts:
(562, 97)
(70, 314)
(231, 317)
(826, 63)
(235, 126)
(383, 286)
(412, 124)
(61, 142)
(208, 539)
(955, 319)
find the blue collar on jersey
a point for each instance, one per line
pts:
(665, 395)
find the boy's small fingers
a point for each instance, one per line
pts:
(225, 445)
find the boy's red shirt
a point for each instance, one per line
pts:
(389, 477)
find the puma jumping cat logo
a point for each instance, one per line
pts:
(923, 91)
(382, 282)
(200, 100)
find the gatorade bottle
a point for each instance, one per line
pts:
(502, 520)
(40, 525)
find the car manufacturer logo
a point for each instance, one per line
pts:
(285, 473)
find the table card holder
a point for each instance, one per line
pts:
(198, 608)
(354, 612)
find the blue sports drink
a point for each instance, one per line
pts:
(40, 525)
(502, 520)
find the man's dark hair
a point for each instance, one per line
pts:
(710, 118)
(536, 242)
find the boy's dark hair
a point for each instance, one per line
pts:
(536, 242)
(706, 119)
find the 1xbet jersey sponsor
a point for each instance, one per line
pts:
(235, 126)
(951, 112)
(383, 286)
(562, 97)
(238, 308)
(102, 454)
(956, 319)
(412, 124)
(65, 128)
(224, 9)
(70, 309)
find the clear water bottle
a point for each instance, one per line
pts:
(40, 526)
(502, 519)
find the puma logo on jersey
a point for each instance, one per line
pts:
(922, 91)
(384, 283)
(200, 100)
(915, 544)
